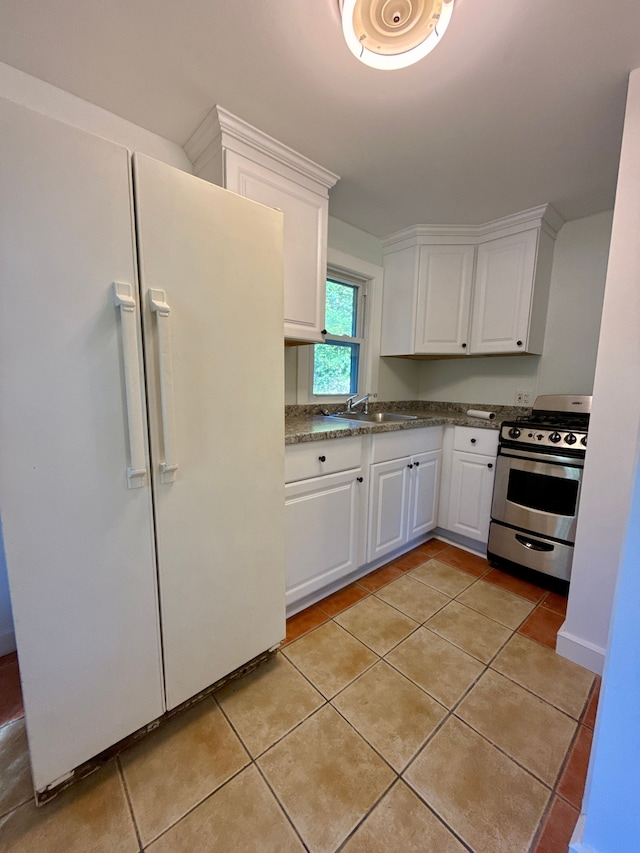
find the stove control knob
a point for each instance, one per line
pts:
(570, 438)
(555, 437)
(514, 432)
(583, 440)
(540, 436)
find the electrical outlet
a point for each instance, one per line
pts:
(523, 398)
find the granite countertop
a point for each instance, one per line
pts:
(307, 423)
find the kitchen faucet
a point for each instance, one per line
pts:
(352, 403)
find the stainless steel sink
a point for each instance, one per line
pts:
(374, 417)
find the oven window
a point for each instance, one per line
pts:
(539, 491)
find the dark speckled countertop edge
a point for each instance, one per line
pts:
(307, 423)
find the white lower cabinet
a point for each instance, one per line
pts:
(323, 514)
(423, 501)
(403, 489)
(388, 500)
(471, 482)
(352, 501)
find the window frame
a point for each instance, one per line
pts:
(341, 265)
(360, 284)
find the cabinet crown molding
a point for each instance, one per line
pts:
(221, 130)
(544, 216)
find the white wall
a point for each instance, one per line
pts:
(478, 380)
(567, 364)
(7, 637)
(568, 361)
(611, 819)
(346, 238)
(22, 89)
(615, 420)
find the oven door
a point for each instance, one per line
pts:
(538, 492)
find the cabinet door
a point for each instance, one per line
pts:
(472, 477)
(388, 497)
(305, 241)
(322, 524)
(444, 299)
(423, 501)
(502, 297)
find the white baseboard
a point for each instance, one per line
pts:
(451, 538)
(576, 845)
(580, 651)
(7, 641)
(294, 607)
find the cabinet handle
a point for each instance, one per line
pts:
(490, 465)
(124, 298)
(323, 332)
(360, 479)
(409, 465)
(158, 303)
(464, 346)
(519, 343)
(416, 464)
(473, 440)
(322, 458)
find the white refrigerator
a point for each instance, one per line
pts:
(141, 439)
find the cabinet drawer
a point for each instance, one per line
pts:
(407, 442)
(475, 440)
(314, 458)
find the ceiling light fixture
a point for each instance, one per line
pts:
(391, 34)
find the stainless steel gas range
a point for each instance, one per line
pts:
(537, 486)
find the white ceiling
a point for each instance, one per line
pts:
(522, 102)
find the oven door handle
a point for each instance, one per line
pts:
(533, 544)
(537, 456)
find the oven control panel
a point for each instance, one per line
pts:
(558, 439)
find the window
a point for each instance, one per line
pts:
(358, 287)
(336, 363)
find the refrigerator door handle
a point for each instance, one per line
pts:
(124, 298)
(159, 304)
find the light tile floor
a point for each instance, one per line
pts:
(420, 709)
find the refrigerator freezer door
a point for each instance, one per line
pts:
(79, 543)
(220, 523)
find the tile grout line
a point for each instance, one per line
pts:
(555, 794)
(450, 712)
(207, 796)
(277, 798)
(398, 775)
(537, 835)
(487, 665)
(552, 789)
(407, 573)
(127, 795)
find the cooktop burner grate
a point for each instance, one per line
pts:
(555, 419)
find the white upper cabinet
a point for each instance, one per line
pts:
(233, 154)
(445, 280)
(502, 299)
(469, 290)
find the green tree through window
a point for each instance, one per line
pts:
(335, 362)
